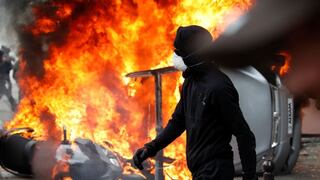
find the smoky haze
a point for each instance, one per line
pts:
(12, 14)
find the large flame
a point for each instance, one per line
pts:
(90, 46)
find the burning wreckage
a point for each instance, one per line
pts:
(80, 159)
(278, 135)
(73, 60)
(74, 55)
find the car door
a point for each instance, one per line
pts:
(256, 105)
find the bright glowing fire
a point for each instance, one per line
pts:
(91, 46)
(285, 68)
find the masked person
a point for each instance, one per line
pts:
(209, 112)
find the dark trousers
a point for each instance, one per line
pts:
(219, 169)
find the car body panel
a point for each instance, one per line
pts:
(282, 151)
(265, 108)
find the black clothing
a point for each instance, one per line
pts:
(189, 41)
(141, 155)
(209, 111)
(218, 169)
(5, 68)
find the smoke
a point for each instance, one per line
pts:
(44, 161)
(13, 13)
(7, 36)
(300, 38)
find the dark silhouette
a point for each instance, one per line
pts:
(5, 83)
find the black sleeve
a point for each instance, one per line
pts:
(228, 101)
(174, 129)
(8, 66)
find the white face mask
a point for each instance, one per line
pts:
(178, 62)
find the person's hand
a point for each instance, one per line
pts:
(139, 156)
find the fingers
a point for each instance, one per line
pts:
(137, 160)
(137, 163)
(144, 154)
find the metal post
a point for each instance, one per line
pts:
(156, 73)
(159, 158)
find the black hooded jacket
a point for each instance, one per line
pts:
(209, 112)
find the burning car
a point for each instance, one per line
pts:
(74, 55)
(270, 114)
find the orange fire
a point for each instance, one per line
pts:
(285, 68)
(90, 46)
